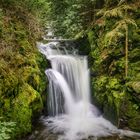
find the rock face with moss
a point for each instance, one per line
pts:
(22, 79)
(116, 94)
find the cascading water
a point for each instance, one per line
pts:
(71, 113)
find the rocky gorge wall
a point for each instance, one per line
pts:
(116, 95)
(22, 78)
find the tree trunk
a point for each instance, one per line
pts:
(126, 53)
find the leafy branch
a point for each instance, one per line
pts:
(121, 27)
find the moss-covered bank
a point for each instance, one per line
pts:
(116, 94)
(22, 79)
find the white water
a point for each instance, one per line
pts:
(71, 113)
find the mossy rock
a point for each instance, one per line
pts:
(108, 94)
(25, 105)
(130, 114)
(136, 86)
(134, 123)
(110, 113)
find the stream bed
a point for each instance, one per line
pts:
(41, 132)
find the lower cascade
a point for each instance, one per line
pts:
(71, 113)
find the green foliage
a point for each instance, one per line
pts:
(68, 18)
(22, 78)
(116, 12)
(119, 31)
(112, 92)
(1, 21)
(123, 21)
(7, 129)
(25, 105)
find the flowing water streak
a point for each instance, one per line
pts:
(70, 109)
(55, 89)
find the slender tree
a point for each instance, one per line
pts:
(121, 27)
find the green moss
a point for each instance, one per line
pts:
(22, 77)
(133, 123)
(136, 86)
(130, 113)
(117, 96)
(108, 94)
(27, 102)
(118, 102)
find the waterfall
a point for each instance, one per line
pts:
(71, 113)
(68, 80)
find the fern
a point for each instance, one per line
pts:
(112, 37)
(6, 130)
(121, 27)
(114, 12)
(101, 12)
(121, 2)
(118, 32)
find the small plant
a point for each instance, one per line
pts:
(6, 129)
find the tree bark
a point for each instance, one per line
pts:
(126, 53)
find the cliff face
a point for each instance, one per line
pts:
(22, 79)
